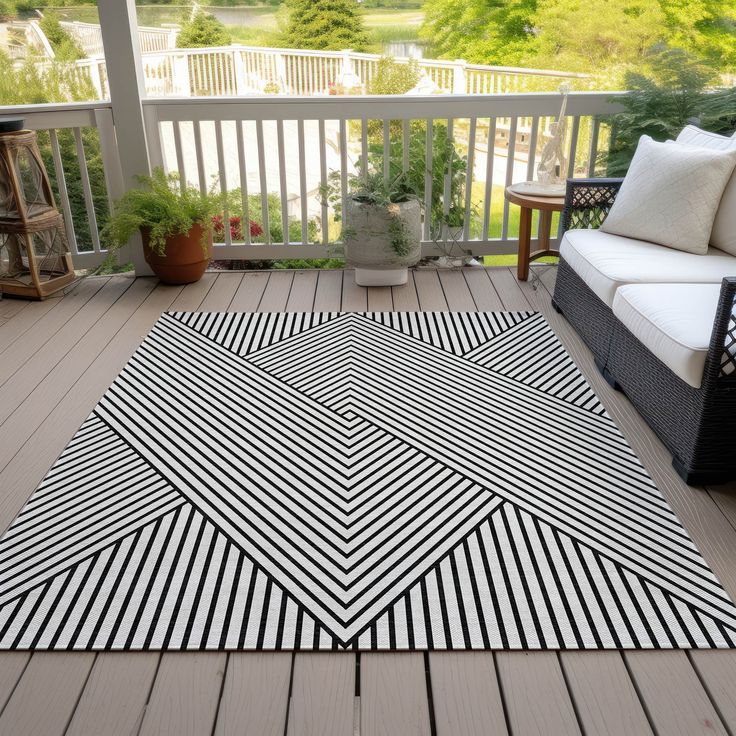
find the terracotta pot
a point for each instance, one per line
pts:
(184, 262)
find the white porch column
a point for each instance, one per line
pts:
(459, 82)
(126, 83)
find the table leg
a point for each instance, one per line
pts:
(525, 242)
(545, 226)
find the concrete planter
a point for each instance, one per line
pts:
(371, 231)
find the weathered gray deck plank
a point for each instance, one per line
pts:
(276, 293)
(380, 299)
(393, 695)
(329, 291)
(405, 297)
(604, 696)
(717, 672)
(481, 287)
(676, 702)
(255, 696)
(44, 700)
(303, 289)
(185, 695)
(115, 696)
(457, 292)
(536, 696)
(465, 694)
(429, 291)
(12, 665)
(354, 297)
(249, 293)
(322, 695)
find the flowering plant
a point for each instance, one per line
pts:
(236, 227)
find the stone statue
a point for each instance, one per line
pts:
(552, 166)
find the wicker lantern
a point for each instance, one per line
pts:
(34, 253)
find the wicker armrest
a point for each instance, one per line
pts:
(721, 362)
(588, 201)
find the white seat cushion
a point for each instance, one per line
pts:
(673, 321)
(605, 261)
(723, 234)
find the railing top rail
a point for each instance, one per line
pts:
(147, 29)
(399, 107)
(58, 107)
(445, 63)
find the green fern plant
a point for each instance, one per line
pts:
(164, 208)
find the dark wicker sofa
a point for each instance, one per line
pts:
(697, 425)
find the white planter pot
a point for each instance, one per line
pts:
(369, 240)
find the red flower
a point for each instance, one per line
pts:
(236, 227)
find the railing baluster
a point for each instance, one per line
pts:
(509, 175)
(283, 190)
(447, 192)
(303, 183)
(222, 176)
(364, 149)
(593, 150)
(200, 157)
(532, 156)
(490, 156)
(405, 142)
(63, 192)
(386, 151)
(428, 153)
(89, 204)
(262, 176)
(243, 179)
(469, 179)
(344, 171)
(179, 155)
(573, 146)
(323, 181)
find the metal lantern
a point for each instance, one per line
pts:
(34, 253)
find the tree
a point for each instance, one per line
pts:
(604, 36)
(202, 31)
(64, 45)
(325, 24)
(480, 31)
(596, 35)
(662, 102)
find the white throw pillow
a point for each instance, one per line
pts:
(670, 195)
(723, 235)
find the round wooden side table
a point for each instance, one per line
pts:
(546, 206)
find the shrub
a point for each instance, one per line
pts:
(64, 45)
(661, 104)
(203, 31)
(325, 24)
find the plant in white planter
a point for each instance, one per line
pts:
(382, 226)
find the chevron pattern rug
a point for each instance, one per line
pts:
(366, 481)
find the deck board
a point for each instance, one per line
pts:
(185, 695)
(249, 692)
(536, 695)
(255, 696)
(393, 695)
(465, 694)
(322, 695)
(114, 699)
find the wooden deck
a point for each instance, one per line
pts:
(57, 358)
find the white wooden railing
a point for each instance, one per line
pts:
(283, 149)
(53, 122)
(229, 71)
(287, 148)
(89, 37)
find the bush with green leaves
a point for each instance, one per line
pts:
(203, 31)
(325, 24)
(62, 42)
(659, 105)
(162, 207)
(394, 78)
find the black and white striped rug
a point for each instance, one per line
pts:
(321, 481)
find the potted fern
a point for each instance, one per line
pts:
(176, 224)
(382, 235)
